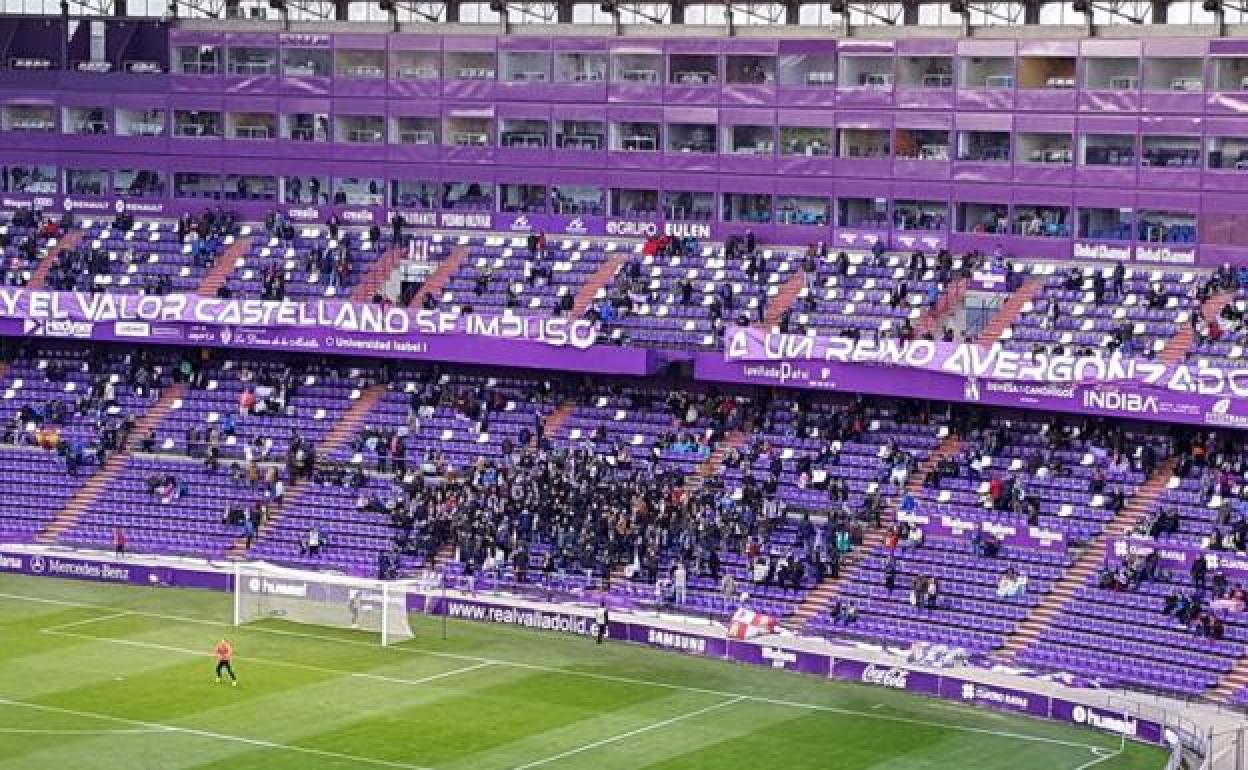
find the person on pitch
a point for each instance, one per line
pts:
(602, 621)
(225, 653)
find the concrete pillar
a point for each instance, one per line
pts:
(792, 12)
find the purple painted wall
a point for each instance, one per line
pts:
(988, 128)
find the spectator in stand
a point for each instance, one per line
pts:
(1200, 568)
(312, 542)
(843, 613)
(680, 583)
(1012, 584)
(728, 589)
(918, 590)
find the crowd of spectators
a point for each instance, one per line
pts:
(83, 426)
(22, 250)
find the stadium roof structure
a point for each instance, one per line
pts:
(679, 18)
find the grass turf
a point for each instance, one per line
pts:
(107, 686)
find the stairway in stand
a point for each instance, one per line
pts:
(107, 473)
(374, 282)
(604, 275)
(444, 557)
(714, 462)
(439, 278)
(351, 422)
(556, 419)
(784, 299)
(1178, 346)
(67, 242)
(216, 276)
(1089, 559)
(933, 321)
(1234, 681)
(817, 601)
(339, 436)
(1010, 310)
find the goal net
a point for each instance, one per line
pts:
(263, 591)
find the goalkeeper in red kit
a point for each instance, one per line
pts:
(225, 653)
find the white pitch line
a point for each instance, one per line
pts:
(1101, 756)
(586, 675)
(213, 735)
(40, 731)
(632, 733)
(267, 661)
(76, 623)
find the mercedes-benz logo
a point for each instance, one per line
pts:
(38, 565)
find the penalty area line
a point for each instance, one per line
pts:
(54, 631)
(632, 733)
(254, 742)
(96, 733)
(77, 623)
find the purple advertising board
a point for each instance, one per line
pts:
(994, 697)
(997, 698)
(1107, 721)
(581, 623)
(105, 571)
(888, 677)
(318, 326)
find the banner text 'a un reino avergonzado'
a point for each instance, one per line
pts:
(984, 362)
(1104, 385)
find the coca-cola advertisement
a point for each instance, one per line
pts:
(881, 675)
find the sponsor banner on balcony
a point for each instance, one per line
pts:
(1017, 535)
(1168, 253)
(320, 325)
(1178, 557)
(1109, 385)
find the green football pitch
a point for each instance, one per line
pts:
(103, 677)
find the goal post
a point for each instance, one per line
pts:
(264, 591)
